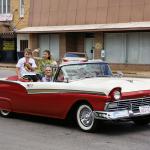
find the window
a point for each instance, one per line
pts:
(21, 8)
(8, 6)
(129, 47)
(23, 44)
(4, 6)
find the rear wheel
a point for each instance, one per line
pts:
(5, 113)
(85, 118)
(142, 120)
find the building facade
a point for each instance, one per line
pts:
(113, 30)
(13, 16)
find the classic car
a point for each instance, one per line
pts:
(86, 91)
(74, 56)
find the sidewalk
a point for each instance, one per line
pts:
(7, 65)
(143, 74)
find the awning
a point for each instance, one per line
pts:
(88, 28)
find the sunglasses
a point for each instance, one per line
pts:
(48, 70)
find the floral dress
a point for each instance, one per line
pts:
(42, 63)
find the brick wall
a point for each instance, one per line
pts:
(130, 68)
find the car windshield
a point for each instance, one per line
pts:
(81, 71)
(74, 55)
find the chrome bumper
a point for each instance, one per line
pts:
(116, 115)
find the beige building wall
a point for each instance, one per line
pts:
(22, 22)
(18, 22)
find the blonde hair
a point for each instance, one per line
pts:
(28, 50)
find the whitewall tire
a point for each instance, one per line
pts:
(5, 113)
(85, 118)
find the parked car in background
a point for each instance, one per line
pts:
(85, 91)
(74, 56)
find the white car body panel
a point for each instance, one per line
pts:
(103, 85)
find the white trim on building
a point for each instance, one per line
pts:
(88, 27)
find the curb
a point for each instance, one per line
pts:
(7, 65)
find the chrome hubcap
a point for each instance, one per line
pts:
(86, 117)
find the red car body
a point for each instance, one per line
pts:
(15, 98)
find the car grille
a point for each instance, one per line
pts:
(130, 104)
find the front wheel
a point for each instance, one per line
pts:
(5, 113)
(85, 118)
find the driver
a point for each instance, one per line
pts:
(47, 74)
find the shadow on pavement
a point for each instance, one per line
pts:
(106, 128)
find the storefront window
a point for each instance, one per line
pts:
(128, 48)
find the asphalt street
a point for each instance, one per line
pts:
(24, 132)
(35, 133)
(5, 72)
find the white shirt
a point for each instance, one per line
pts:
(46, 79)
(23, 70)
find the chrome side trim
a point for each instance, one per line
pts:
(47, 91)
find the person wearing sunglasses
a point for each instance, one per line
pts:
(47, 74)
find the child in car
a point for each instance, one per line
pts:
(25, 67)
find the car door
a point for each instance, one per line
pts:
(42, 98)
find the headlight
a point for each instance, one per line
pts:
(116, 95)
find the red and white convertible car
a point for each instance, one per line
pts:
(87, 91)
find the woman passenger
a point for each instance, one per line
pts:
(44, 61)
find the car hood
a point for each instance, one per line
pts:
(106, 84)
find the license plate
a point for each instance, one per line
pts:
(144, 109)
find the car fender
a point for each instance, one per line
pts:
(5, 103)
